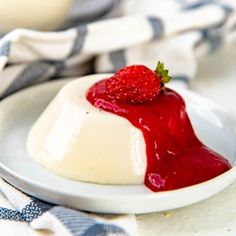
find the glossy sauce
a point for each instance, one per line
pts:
(175, 156)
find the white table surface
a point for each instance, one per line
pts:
(216, 216)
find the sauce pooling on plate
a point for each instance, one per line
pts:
(176, 158)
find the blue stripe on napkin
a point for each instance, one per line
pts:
(5, 49)
(80, 39)
(117, 59)
(182, 78)
(27, 214)
(157, 27)
(80, 224)
(30, 75)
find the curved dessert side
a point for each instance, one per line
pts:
(78, 141)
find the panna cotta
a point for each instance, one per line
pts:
(79, 141)
(123, 129)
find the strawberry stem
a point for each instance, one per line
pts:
(160, 70)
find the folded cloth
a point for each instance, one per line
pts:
(174, 31)
(21, 215)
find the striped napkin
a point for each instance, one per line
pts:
(177, 32)
(21, 215)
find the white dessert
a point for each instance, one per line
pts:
(33, 14)
(76, 140)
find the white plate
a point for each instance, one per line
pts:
(214, 126)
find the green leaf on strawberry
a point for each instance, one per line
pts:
(162, 72)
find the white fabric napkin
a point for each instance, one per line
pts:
(22, 215)
(176, 32)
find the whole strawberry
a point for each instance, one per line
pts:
(137, 83)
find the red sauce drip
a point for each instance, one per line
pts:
(175, 156)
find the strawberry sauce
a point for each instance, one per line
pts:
(175, 156)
